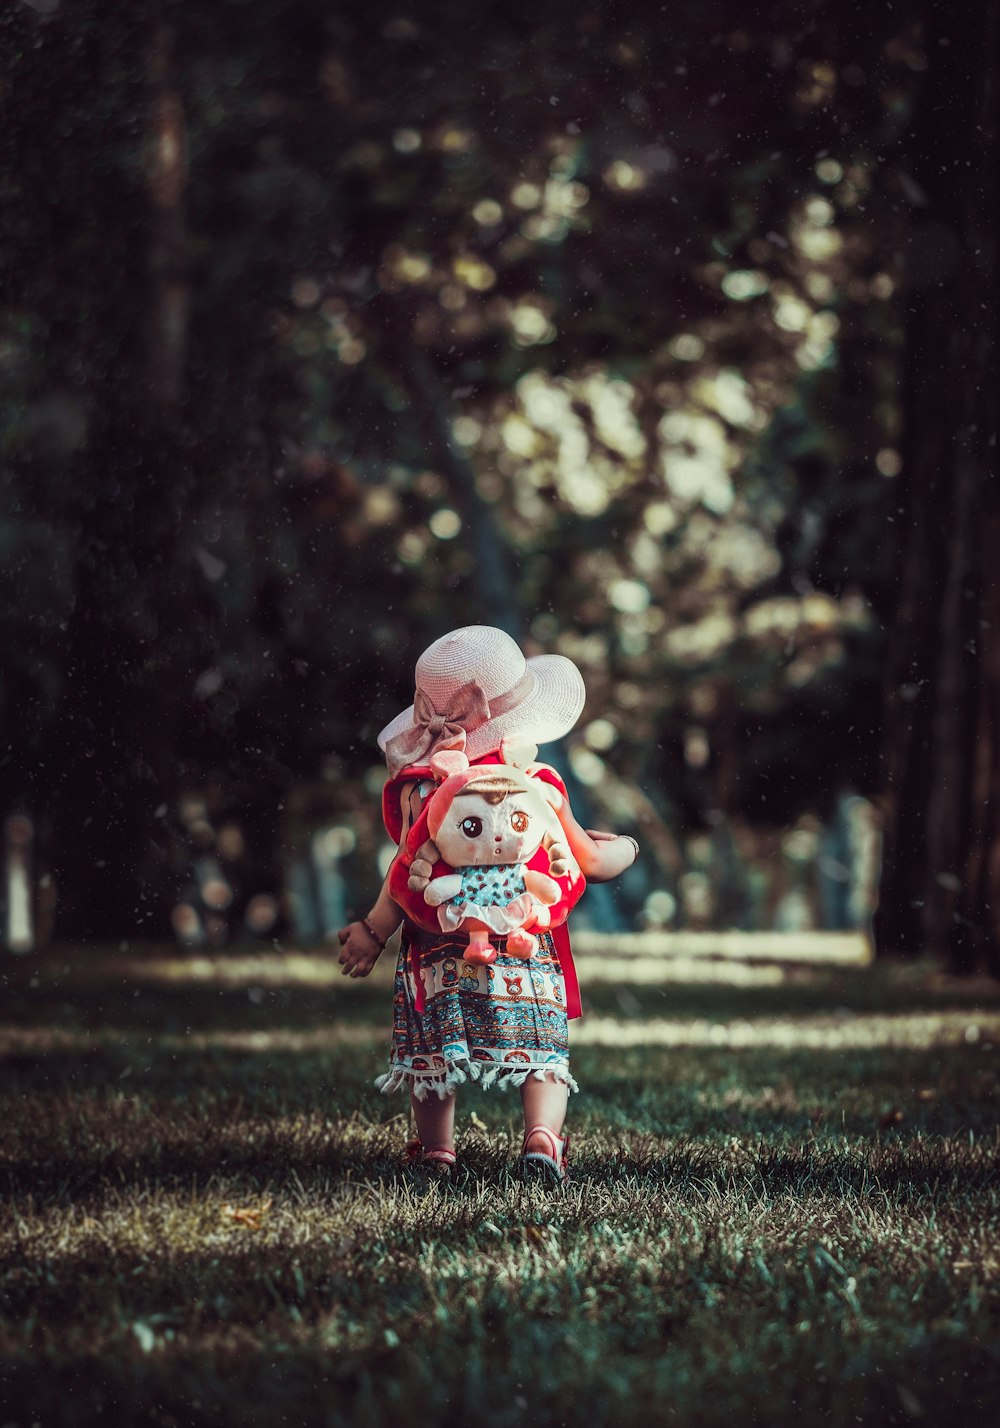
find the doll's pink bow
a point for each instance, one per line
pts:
(433, 730)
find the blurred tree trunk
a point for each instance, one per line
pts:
(169, 281)
(494, 588)
(116, 766)
(940, 888)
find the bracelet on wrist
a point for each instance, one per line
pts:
(368, 928)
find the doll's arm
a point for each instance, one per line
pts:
(362, 941)
(601, 855)
(542, 888)
(442, 889)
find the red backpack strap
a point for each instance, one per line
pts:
(560, 929)
(560, 937)
(412, 903)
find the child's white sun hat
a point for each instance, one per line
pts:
(473, 687)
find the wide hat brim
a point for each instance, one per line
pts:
(548, 710)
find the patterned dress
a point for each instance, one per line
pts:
(496, 1024)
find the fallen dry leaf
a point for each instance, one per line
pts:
(247, 1215)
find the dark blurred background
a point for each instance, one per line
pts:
(660, 335)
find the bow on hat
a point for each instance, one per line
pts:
(433, 730)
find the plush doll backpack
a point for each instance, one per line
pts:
(487, 854)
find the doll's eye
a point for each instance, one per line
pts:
(471, 827)
(519, 822)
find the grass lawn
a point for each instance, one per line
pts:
(785, 1207)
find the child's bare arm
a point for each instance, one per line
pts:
(601, 856)
(362, 941)
(614, 852)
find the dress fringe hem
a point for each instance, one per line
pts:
(422, 1083)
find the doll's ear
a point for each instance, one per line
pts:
(447, 762)
(517, 751)
(550, 793)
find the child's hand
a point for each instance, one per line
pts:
(360, 950)
(616, 852)
(600, 855)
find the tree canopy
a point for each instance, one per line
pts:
(327, 328)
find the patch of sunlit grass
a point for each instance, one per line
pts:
(655, 970)
(284, 968)
(850, 949)
(831, 1033)
(213, 1225)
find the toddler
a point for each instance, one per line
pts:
(504, 1022)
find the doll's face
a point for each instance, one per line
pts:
(486, 828)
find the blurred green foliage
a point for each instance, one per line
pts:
(578, 320)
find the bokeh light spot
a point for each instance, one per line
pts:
(631, 597)
(406, 141)
(600, 734)
(625, 177)
(829, 171)
(686, 347)
(467, 430)
(487, 212)
(588, 768)
(305, 292)
(445, 523)
(889, 462)
(743, 284)
(526, 195)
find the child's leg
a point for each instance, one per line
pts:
(435, 1118)
(544, 1104)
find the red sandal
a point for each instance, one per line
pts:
(552, 1167)
(434, 1158)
